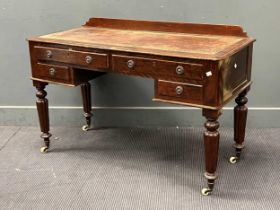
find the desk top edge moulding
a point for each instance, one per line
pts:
(199, 65)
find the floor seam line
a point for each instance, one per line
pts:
(9, 139)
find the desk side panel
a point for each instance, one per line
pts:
(235, 74)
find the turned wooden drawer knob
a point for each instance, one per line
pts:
(52, 71)
(179, 90)
(130, 64)
(88, 59)
(49, 53)
(180, 70)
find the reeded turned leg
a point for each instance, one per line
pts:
(43, 113)
(240, 118)
(85, 87)
(211, 145)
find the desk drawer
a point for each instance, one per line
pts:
(53, 73)
(181, 92)
(79, 58)
(157, 68)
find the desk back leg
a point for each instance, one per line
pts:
(43, 113)
(86, 95)
(240, 118)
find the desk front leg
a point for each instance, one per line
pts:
(86, 95)
(211, 145)
(43, 113)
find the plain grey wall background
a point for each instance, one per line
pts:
(125, 101)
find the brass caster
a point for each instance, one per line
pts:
(85, 128)
(44, 149)
(233, 159)
(206, 191)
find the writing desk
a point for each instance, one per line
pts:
(200, 65)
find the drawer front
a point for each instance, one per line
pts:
(79, 58)
(182, 92)
(157, 68)
(53, 73)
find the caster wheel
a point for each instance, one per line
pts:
(44, 149)
(206, 191)
(233, 159)
(85, 128)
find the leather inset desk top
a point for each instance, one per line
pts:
(174, 44)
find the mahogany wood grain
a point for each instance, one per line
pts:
(65, 73)
(233, 74)
(211, 87)
(43, 111)
(216, 62)
(249, 63)
(71, 56)
(190, 93)
(54, 72)
(195, 28)
(86, 95)
(194, 41)
(211, 144)
(164, 69)
(240, 118)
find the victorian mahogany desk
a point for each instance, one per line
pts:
(200, 65)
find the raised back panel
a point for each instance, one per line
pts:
(228, 30)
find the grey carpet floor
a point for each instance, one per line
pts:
(135, 168)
